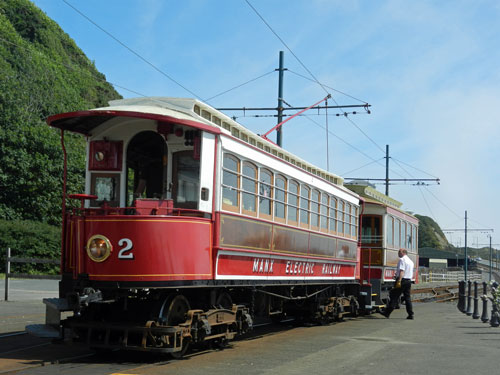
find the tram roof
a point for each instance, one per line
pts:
(185, 111)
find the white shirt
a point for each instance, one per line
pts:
(405, 264)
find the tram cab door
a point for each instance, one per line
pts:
(185, 179)
(147, 162)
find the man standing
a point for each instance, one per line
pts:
(404, 273)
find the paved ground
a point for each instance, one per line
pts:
(441, 340)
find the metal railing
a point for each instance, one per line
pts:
(443, 275)
(9, 275)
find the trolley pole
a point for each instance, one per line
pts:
(280, 99)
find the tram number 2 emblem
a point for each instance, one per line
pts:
(126, 249)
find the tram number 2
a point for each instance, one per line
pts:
(126, 251)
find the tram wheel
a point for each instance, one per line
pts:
(224, 301)
(174, 312)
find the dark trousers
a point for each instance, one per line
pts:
(394, 295)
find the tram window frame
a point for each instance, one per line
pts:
(280, 197)
(347, 220)
(340, 217)
(332, 218)
(314, 207)
(389, 238)
(404, 240)
(113, 181)
(249, 180)
(293, 207)
(305, 206)
(397, 233)
(262, 198)
(323, 211)
(354, 222)
(229, 188)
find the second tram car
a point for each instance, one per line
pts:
(191, 227)
(385, 228)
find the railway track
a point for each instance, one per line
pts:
(444, 293)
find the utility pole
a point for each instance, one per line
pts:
(281, 110)
(466, 262)
(465, 230)
(387, 170)
(279, 139)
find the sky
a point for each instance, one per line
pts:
(430, 71)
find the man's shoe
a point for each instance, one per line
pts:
(384, 313)
(409, 317)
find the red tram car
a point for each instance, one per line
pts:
(192, 227)
(385, 228)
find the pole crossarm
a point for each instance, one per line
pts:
(366, 106)
(468, 230)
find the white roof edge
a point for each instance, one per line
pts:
(185, 107)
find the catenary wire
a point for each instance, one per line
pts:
(130, 49)
(77, 69)
(283, 42)
(328, 87)
(236, 87)
(363, 166)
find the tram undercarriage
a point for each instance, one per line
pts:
(172, 320)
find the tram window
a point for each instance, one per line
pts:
(315, 209)
(249, 189)
(293, 202)
(404, 243)
(265, 192)
(415, 237)
(106, 186)
(340, 217)
(324, 212)
(397, 233)
(280, 198)
(347, 219)
(354, 221)
(146, 166)
(304, 206)
(333, 215)
(186, 180)
(390, 227)
(230, 182)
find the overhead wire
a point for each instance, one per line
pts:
(130, 49)
(237, 87)
(363, 166)
(286, 45)
(78, 69)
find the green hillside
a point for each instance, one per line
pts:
(430, 234)
(42, 72)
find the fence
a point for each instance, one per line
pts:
(444, 275)
(8, 275)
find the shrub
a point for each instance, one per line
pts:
(30, 239)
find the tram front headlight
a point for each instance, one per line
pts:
(99, 248)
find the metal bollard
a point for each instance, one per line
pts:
(484, 315)
(494, 322)
(475, 314)
(469, 298)
(461, 296)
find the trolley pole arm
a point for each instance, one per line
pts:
(295, 115)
